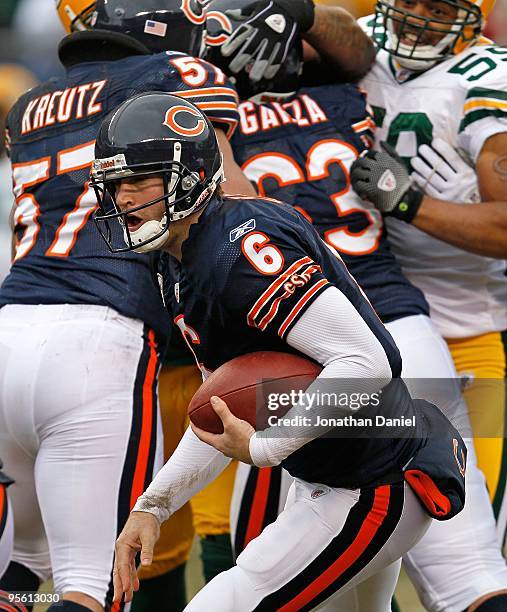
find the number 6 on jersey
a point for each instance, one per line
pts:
(264, 257)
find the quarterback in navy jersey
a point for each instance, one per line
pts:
(69, 308)
(299, 133)
(243, 275)
(249, 269)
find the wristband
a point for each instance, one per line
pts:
(409, 205)
(302, 11)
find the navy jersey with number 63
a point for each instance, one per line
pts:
(249, 270)
(60, 257)
(300, 151)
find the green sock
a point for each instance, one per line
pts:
(216, 555)
(166, 593)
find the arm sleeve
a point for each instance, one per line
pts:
(191, 467)
(484, 111)
(333, 333)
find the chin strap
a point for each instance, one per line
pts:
(148, 231)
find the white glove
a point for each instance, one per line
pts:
(443, 174)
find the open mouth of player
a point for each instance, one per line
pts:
(134, 222)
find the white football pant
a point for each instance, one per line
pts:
(79, 427)
(326, 542)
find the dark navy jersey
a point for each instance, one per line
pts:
(249, 270)
(300, 151)
(60, 256)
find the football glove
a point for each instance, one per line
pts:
(265, 38)
(443, 174)
(381, 178)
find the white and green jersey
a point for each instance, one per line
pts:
(462, 100)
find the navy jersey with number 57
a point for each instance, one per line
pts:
(60, 257)
(300, 150)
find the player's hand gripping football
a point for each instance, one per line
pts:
(381, 178)
(235, 441)
(140, 534)
(443, 174)
(265, 38)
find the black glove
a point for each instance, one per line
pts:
(382, 178)
(266, 36)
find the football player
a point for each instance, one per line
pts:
(210, 508)
(81, 435)
(439, 94)
(225, 275)
(299, 147)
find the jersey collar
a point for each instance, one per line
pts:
(210, 210)
(402, 75)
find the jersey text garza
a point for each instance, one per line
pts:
(302, 111)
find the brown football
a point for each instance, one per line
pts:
(246, 382)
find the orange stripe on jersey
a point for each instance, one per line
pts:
(258, 509)
(271, 314)
(264, 298)
(139, 479)
(297, 308)
(369, 528)
(3, 509)
(2, 501)
(230, 123)
(207, 91)
(217, 106)
(367, 124)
